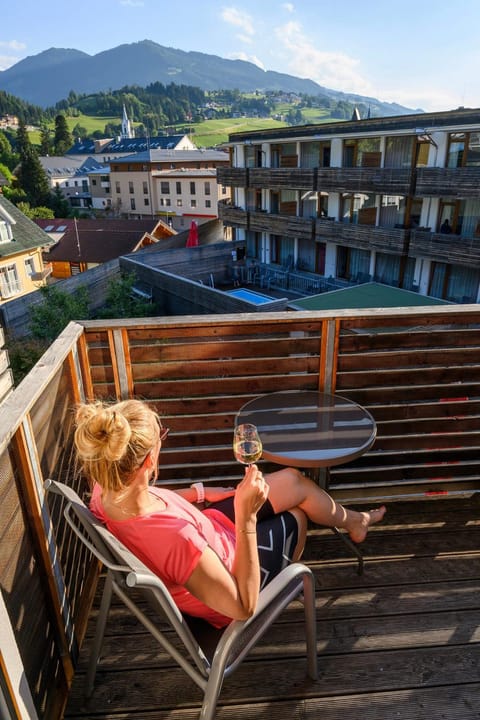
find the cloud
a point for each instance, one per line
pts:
(132, 3)
(289, 7)
(12, 45)
(248, 58)
(8, 59)
(335, 70)
(239, 19)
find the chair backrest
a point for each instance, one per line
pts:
(129, 572)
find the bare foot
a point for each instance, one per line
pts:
(360, 522)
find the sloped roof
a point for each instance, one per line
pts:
(26, 234)
(129, 145)
(366, 295)
(96, 241)
(60, 165)
(174, 156)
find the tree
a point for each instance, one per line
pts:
(45, 141)
(120, 302)
(48, 319)
(23, 141)
(59, 204)
(62, 139)
(37, 212)
(33, 180)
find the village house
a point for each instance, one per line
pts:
(79, 245)
(22, 269)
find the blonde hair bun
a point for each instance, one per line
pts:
(102, 433)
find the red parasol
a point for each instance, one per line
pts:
(192, 240)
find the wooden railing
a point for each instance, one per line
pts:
(452, 249)
(417, 370)
(448, 182)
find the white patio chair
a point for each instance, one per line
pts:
(207, 669)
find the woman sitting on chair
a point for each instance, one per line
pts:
(214, 559)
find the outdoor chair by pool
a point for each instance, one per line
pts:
(206, 666)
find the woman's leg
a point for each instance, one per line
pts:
(289, 489)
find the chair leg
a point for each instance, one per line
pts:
(99, 633)
(310, 625)
(212, 691)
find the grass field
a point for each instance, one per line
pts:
(205, 134)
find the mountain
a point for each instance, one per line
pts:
(48, 77)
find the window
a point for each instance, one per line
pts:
(5, 231)
(165, 187)
(146, 201)
(165, 202)
(179, 203)
(193, 203)
(29, 266)
(145, 187)
(130, 187)
(117, 186)
(207, 188)
(192, 188)
(208, 203)
(132, 203)
(178, 187)
(94, 182)
(9, 282)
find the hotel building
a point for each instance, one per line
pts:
(364, 200)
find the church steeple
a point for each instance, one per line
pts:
(127, 131)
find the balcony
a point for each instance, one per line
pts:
(385, 181)
(299, 178)
(232, 177)
(231, 215)
(367, 237)
(278, 178)
(42, 274)
(402, 637)
(452, 249)
(448, 182)
(286, 225)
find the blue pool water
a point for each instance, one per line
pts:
(250, 295)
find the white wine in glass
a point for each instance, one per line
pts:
(247, 446)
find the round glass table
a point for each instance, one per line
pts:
(309, 429)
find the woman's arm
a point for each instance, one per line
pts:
(212, 494)
(235, 593)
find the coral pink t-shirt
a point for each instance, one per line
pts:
(171, 541)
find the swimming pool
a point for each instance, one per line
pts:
(250, 296)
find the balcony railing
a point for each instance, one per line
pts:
(387, 181)
(42, 274)
(448, 182)
(295, 178)
(367, 237)
(452, 249)
(286, 225)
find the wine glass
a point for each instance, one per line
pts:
(247, 446)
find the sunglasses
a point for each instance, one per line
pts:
(163, 433)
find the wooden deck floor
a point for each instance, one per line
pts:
(401, 642)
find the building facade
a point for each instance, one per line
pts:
(392, 199)
(178, 185)
(22, 269)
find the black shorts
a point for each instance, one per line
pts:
(277, 537)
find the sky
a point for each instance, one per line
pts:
(422, 55)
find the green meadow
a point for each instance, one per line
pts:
(208, 133)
